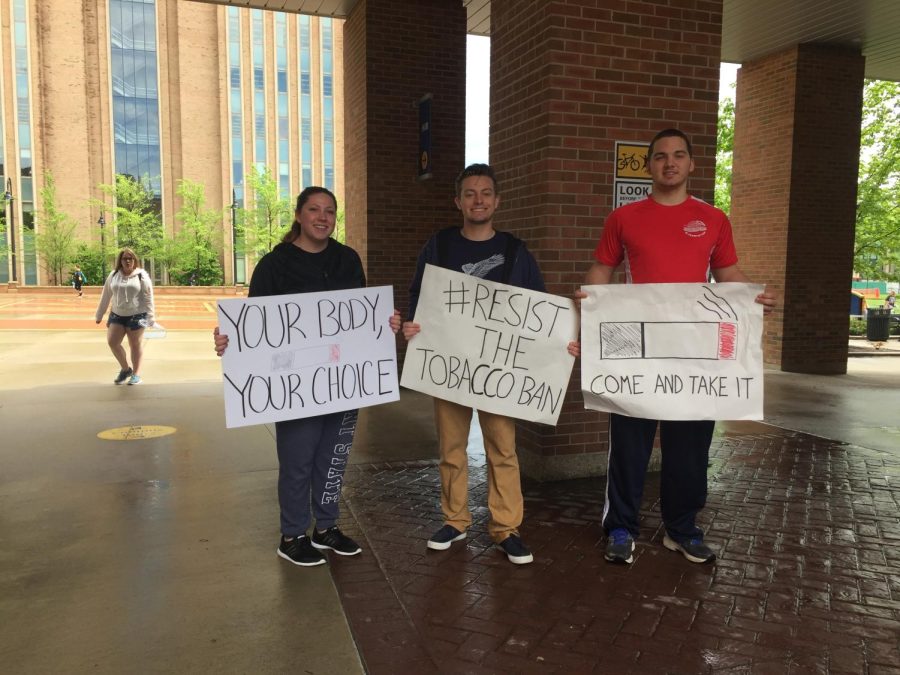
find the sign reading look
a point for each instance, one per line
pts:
(491, 346)
(673, 351)
(306, 354)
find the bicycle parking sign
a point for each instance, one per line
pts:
(632, 179)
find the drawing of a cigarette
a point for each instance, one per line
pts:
(309, 356)
(707, 340)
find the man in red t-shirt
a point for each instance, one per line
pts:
(669, 237)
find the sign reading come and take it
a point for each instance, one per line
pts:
(632, 180)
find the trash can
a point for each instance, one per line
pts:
(878, 324)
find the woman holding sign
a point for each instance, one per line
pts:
(313, 451)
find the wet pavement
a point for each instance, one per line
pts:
(162, 550)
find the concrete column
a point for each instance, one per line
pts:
(568, 80)
(395, 53)
(793, 206)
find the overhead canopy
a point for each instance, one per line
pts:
(750, 28)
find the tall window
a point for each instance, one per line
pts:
(327, 32)
(259, 88)
(281, 79)
(305, 103)
(23, 121)
(132, 25)
(237, 136)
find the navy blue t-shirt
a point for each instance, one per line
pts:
(482, 259)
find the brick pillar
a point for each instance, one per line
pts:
(793, 205)
(394, 53)
(569, 79)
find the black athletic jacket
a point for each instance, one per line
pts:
(288, 269)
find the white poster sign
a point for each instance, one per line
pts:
(292, 356)
(491, 346)
(673, 351)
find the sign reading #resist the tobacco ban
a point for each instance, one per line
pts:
(306, 354)
(491, 346)
(673, 351)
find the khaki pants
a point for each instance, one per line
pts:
(504, 484)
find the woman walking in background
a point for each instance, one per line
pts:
(129, 290)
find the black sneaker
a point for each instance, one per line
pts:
(620, 547)
(515, 550)
(441, 540)
(123, 375)
(693, 549)
(336, 540)
(300, 552)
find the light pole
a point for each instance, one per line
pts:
(12, 226)
(234, 207)
(101, 221)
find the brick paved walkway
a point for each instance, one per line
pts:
(808, 576)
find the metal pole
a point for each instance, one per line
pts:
(101, 221)
(233, 237)
(12, 227)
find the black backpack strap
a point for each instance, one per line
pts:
(513, 244)
(442, 245)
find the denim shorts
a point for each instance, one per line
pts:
(133, 322)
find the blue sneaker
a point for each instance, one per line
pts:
(135, 379)
(693, 549)
(620, 547)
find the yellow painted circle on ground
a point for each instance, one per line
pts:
(135, 432)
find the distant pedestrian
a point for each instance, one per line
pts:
(129, 289)
(78, 279)
(890, 301)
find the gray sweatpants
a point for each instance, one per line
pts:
(312, 456)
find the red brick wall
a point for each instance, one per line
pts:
(569, 79)
(796, 160)
(394, 53)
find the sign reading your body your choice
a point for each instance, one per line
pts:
(306, 354)
(491, 346)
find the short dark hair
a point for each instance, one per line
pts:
(302, 198)
(476, 170)
(666, 133)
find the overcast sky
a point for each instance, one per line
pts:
(478, 95)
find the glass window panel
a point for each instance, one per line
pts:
(150, 26)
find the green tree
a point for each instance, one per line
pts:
(135, 216)
(724, 153)
(56, 242)
(89, 256)
(269, 216)
(877, 244)
(198, 244)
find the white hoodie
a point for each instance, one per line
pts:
(130, 295)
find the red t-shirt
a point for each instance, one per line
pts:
(667, 244)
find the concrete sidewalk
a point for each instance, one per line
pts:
(158, 554)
